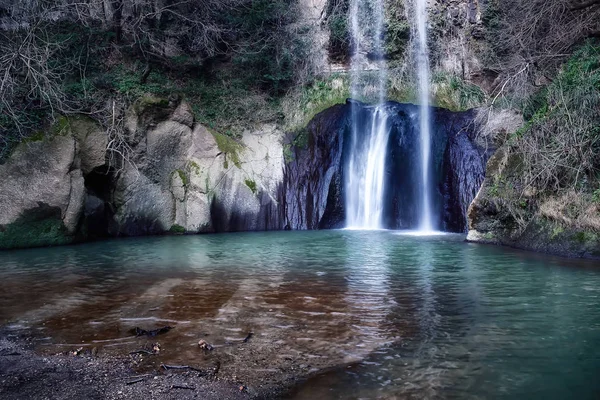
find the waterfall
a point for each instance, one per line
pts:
(366, 166)
(365, 174)
(365, 191)
(425, 220)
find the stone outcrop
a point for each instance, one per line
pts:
(498, 216)
(313, 176)
(180, 177)
(42, 189)
(313, 191)
(503, 213)
(184, 178)
(459, 37)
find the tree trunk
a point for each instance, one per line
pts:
(117, 8)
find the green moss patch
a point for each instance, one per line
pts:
(194, 168)
(251, 185)
(149, 103)
(302, 106)
(40, 226)
(183, 176)
(177, 229)
(456, 94)
(229, 147)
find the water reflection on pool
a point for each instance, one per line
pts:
(403, 316)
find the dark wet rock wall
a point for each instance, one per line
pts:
(311, 196)
(313, 192)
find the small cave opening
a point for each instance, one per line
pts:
(99, 209)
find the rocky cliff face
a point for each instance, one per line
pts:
(179, 177)
(311, 195)
(182, 177)
(457, 36)
(314, 181)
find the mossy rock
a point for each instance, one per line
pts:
(41, 226)
(60, 127)
(177, 229)
(35, 137)
(194, 168)
(82, 124)
(229, 147)
(149, 103)
(183, 176)
(251, 185)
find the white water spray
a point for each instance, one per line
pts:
(365, 177)
(425, 220)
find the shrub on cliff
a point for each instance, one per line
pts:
(529, 40)
(227, 57)
(561, 141)
(550, 168)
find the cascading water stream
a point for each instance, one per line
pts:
(365, 175)
(365, 178)
(425, 220)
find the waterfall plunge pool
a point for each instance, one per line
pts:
(387, 315)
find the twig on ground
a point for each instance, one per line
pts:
(183, 387)
(247, 339)
(151, 353)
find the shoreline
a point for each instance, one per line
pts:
(28, 374)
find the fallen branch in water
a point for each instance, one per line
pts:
(151, 353)
(142, 332)
(138, 376)
(245, 340)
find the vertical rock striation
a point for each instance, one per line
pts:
(312, 192)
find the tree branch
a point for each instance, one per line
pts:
(584, 5)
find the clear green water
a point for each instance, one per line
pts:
(390, 315)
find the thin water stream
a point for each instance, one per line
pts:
(426, 220)
(394, 315)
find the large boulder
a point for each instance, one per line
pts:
(41, 197)
(183, 177)
(42, 186)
